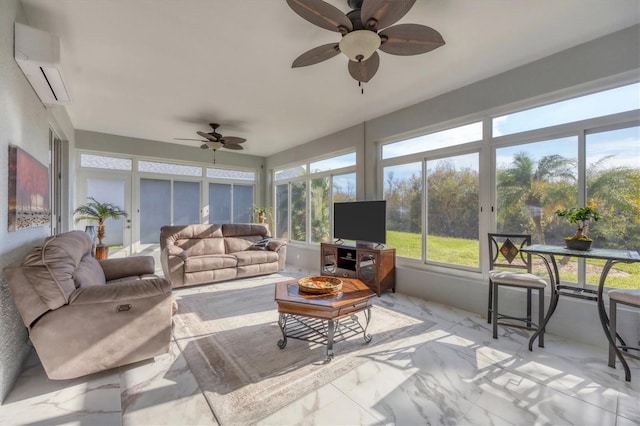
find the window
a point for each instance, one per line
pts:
(304, 201)
(403, 193)
(621, 99)
(333, 163)
(453, 191)
(166, 202)
(344, 187)
(320, 217)
(534, 180)
(168, 168)
(242, 203)
(613, 186)
(219, 203)
(452, 204)
(282, 211)
(217, 173)
(155, 211)
(299, 211)
(104, 162)
(186, 203)
(445, 138)
(289, 173)
(230, 203)
(321, 208)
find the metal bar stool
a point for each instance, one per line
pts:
(511, 268)
(629, 298)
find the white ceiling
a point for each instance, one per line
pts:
(161, 70)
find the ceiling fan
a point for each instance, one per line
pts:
(214, 140)
(365, 29)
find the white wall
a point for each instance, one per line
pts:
(610, 59)
(24, 122)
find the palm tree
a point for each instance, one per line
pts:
(538, 186)
(96, 211)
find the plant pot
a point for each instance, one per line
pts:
(578, 244)
(102, 252)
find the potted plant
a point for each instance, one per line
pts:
(263, 213)
(95, 211)
(582, 217)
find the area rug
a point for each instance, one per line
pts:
(228, 333)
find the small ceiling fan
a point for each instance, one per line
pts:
(214, 140)
(365, 29)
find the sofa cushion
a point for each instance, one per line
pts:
(245, 230)
(254, 257)
(237, 244)
(89, 272)
(201, 246)
(209, 262)
(196, 240)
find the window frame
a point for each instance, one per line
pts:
(486, 148)
(308, 177)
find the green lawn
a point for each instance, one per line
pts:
(465, 252)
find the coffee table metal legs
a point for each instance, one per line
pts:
(282, 322)
(367, 314)
(332, 328)
(322, 331)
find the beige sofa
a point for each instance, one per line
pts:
(84, 315)
(197, 254)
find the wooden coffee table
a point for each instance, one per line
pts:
(323, 318)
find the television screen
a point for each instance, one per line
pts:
(364, 221)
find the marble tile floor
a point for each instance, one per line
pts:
(455, 374)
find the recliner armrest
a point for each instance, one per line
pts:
(127, 267)
(117, 292)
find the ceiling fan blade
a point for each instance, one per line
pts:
(410, 39)
(186, 139)
(232, 139)
(233, 146)
(207, 136)
(377, 14)
(365, 70)
(317, 54)
(322, 14)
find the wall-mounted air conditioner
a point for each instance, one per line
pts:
(38, 55)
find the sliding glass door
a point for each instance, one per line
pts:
(166, 202)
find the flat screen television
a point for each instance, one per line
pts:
(362, 221)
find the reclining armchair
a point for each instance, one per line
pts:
(85, 315)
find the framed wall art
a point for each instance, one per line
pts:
(29, 201)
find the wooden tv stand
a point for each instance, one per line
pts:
(376, 267)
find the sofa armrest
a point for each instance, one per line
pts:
(173, 259)
(127, 267)
(176, 251)
(280, 247)
(120, 292)
(275, 245)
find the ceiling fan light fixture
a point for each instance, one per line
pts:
(214, 145)
(359, 45)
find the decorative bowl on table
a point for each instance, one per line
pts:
(320, 285)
